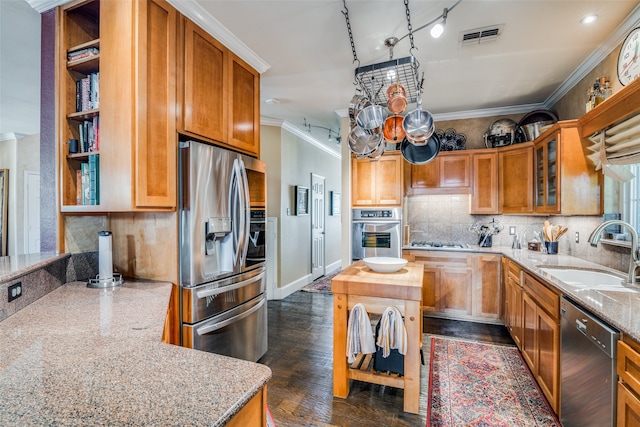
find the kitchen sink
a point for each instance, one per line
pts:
(588, 279)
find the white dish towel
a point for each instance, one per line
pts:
(359, 333)
(392, 333)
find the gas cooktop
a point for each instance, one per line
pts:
(450, 245)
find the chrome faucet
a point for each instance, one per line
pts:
(634, 261)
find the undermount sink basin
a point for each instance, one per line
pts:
(588, 279)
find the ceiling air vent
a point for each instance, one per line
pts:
(480, 35)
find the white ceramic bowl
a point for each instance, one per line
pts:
(385, 264)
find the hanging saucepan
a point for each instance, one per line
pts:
(418, 124)
(358, 102)
(422, 139)
(420, 154)
(362, 143)
(371, 119)
(396, 98)
(378, 151)
(393, 131)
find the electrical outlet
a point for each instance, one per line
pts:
(15, 291)
(512, 230)
(577, 237)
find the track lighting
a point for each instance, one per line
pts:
(337, 138)
(438, 29)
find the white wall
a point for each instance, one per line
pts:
(291, 160)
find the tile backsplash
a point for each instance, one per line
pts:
(447, 218)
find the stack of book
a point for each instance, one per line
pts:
(88, 92)
(88, 182)
(76, 55)
(89, 135)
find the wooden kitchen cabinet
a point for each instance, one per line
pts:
(136, 116)
(448, 173)
(459, 285)
(540, 344)
(561, 163)
(628, 369)
(219, 93)
(487, 290)
(484, 189)
(513, 300)
(515, 179)
(377, 183)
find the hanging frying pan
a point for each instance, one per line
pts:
(393, 131)
(420, 154)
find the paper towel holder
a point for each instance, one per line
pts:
(106, 278)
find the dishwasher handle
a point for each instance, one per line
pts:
(580, 326)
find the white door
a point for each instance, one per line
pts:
(317, 226)
(32, 212)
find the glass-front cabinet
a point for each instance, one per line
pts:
(565, 179)
(546, 175)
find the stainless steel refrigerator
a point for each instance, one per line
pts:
(222, 251)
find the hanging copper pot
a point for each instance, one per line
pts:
(396, 98)
(393, 131)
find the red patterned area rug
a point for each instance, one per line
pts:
(474, 384)
(321, 284)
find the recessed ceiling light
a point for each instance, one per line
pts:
(589, 19)
(272, 101)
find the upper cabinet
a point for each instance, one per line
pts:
(377, 183)
(484, 194)
(515, 179)
(448, 173)
(219, 93)
(117, 100)
(566, 181)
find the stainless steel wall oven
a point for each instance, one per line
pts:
(376, 232)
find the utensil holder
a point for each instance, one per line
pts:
(552, 247)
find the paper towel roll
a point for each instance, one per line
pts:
(105, 263)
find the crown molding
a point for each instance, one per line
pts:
(596, 57)
(194, 11)
(41, 6)
(488, 112)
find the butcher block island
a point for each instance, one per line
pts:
(377, 291)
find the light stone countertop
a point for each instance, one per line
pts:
(18, 265)
(621, 309)
(81, 356)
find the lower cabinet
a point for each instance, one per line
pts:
(540, 341)
(513, 302)
(628, 368)
(459, 285)
(254, 413)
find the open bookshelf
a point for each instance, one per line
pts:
(80, 106)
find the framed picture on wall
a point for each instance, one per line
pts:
(302, 200)
(4, 201)
(335, 203)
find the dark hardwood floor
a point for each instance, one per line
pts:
(300, 356)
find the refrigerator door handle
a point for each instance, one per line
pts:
(234, 207)
(219, 325)
(246, 214)
(206, 293)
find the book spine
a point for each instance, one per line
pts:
(81, 137)
(78, 187)
(78, 96)
(85, 183)
(94, 179)
(95, 90)
(86, 82)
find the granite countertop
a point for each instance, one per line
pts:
(18, 265)
(620, 308)
(81, 356)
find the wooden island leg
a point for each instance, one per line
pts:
(413, 325)
(340, 366)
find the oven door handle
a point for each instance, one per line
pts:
(219, 325)
(205, 293)
(356, 221)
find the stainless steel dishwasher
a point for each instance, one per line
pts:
(588, 368)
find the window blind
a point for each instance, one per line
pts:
(618, 144)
